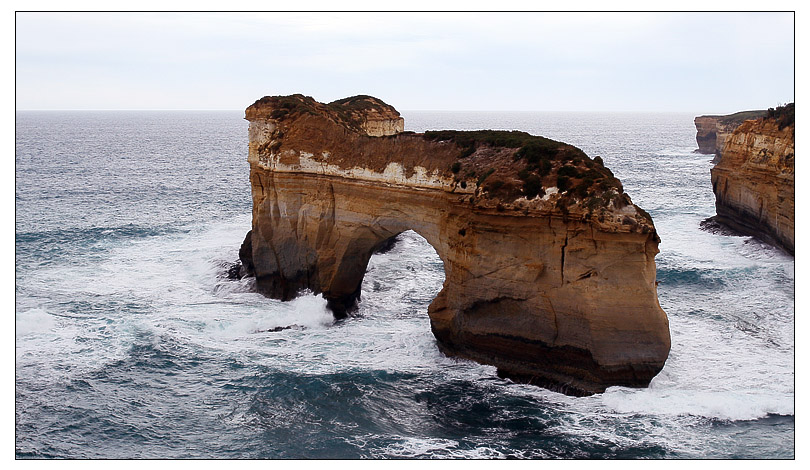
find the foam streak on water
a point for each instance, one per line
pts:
(130, 342)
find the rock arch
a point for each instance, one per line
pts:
(554, 290)
(320, 239)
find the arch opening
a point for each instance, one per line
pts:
(403, 275)
(401, 271)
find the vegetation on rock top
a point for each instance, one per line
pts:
(360, 103)
(784, 115)
(739, 117)
(545, 163)
(349, 111)
(510, 139)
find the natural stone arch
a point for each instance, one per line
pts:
(322, 227)
(553, 290)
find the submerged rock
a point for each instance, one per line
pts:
(714, 227)
(246, 257)
(386, 246)
(549, 266)
(234, 272)
(281, 328)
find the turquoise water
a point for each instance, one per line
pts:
(132, 343)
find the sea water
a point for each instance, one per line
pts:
(132, 343)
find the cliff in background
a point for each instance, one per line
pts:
(549, 266)
(753, 182)
(713, 131)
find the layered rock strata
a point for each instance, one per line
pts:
(713, 131)
(549, 267)
(753, 182)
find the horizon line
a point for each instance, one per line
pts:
(401, 111)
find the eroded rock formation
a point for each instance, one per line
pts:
(713, 131)
(549, 267)
(754, 180)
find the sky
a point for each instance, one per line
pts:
(701, 62)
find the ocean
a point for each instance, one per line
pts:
(132, 343)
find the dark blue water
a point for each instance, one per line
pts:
(130, 343)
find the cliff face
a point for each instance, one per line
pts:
(713, 131)
(549, 267)
(754, 182)
(706, 134)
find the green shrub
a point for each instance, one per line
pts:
(592, 174)
(279, 113)
(568, 170)
(593, 203)
(485, 175)
(610, 183)
(581, 190)
(467, 151)
(508, 139)
(784, 115)
(545, 168)
(570, 153)
(533, 186)
(536, 151)
(284, 106)
(563, 182)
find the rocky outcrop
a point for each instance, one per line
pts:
(713, 131)
(549, 267)
(753, 182)
(706, 134)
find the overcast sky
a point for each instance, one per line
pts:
(691, 62)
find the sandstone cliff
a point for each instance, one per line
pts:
(753, 182)
(549, 267)
(713, 131)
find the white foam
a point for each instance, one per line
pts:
(683, 152)
(33, 321)
(723, 404)
(437, 448)
(306, 311)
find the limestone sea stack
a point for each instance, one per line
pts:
(753, 182)
(549, 266)
(713, 131)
